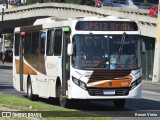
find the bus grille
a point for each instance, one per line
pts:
(99, 92)
(108, 75)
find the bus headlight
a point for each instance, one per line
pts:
(79, 83)
(135, 83)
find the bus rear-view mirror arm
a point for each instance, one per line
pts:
(70, 49)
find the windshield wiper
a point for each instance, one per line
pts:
(122, 43)
(121, 46)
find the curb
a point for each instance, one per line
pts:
(6, 64)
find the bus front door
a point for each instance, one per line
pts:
(21, 50)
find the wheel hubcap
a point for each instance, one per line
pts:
(29, 90)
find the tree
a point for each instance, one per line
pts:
(9, 36)
(147, 4)
(73, 1)
(88, 2)
(28, 2)
(82, 2)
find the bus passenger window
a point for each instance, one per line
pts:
(58, 42)
(50, 39)
(16, 44)
(42, 44)
(35, 41)
(27, 44)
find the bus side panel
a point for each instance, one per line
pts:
(25, 82)
(16, 77)
(43, 86)
(16, 82)
(52, 86)
(54, 71)
(34, 81)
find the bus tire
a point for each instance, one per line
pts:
(63, 102)
(29, 90)
(119, 103)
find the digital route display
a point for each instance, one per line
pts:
(106, 26)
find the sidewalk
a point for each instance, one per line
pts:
(5, 64)
(150, 82)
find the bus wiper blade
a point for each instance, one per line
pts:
(122, 42)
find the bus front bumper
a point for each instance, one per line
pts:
(78, 93)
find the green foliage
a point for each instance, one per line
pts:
(31, 2)
(147, 4)
(73, 1)
(28, 2)
(83, 2)
(54, 1)
(24, 104)
(8, 36)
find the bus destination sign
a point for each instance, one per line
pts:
(106, 26)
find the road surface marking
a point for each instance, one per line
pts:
(151, 94)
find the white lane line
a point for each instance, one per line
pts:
(150, 95)
(149, 92)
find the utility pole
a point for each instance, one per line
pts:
(6, 4)
(1, 30)
(2, 13)
(156, 67)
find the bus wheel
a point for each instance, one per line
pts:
(63, 102)
(120, 103)
(29, 90)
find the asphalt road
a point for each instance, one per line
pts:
(6, 84)
(150, 102)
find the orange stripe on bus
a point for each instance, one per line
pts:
(26, 69)
(119, 83)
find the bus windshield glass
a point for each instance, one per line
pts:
(106, 51)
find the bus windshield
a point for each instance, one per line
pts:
(106, 51)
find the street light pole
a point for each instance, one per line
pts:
(2, 17)
(6, 4)
(1, 29)
(2, 37)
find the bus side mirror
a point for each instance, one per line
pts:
(70, 49)
(143, 47)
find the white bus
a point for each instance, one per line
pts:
(88, 58)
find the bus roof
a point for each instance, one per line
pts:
(43, 23)
(48, 20)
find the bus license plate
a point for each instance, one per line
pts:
(109, 92)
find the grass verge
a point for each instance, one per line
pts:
(47, 111)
